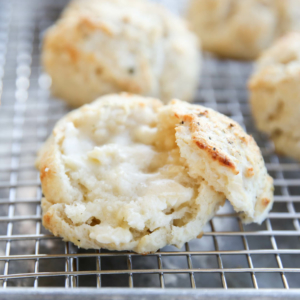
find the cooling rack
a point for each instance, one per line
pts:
(231, 260)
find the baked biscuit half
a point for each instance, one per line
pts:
(106, 46)
(275, 94)
(128, 173)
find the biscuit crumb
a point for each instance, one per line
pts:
(250, 172)
(200, 235)
(265, 201)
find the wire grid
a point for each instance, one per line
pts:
(229, 255)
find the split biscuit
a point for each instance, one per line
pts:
(129, 173)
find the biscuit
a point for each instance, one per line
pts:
(275, 94)
(128, 173)
(105, 46)
(242, 29)
(289, 11)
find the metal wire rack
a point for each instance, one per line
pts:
(229, 255)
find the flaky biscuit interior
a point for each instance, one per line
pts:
(128, 173)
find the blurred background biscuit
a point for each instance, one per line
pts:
(275, 94)
(242, 29)
(104, 46)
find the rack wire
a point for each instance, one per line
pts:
(229, 255)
